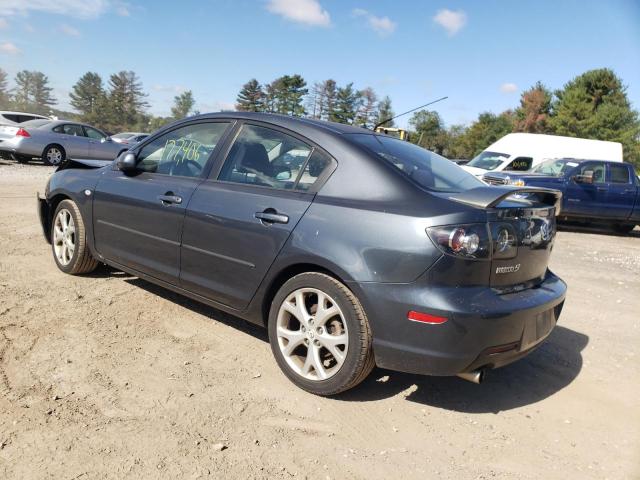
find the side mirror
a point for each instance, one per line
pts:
(586, 177)
(126, 162)
(284, 175)
(105, 139)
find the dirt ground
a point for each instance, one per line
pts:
(108, 376)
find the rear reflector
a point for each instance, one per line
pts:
(22, 133)
(425, 318)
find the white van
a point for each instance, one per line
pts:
(522, 151)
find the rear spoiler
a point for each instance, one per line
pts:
(489, 197)
(83, 163)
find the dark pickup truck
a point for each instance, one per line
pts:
(593, 191)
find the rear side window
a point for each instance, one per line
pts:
(269, 158)
(619, 173)
(428, 169)
(70, 129)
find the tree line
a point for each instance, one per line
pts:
(591, 105)
(325, 100)
(119, 105)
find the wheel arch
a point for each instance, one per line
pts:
(47, 220)
(286, 273)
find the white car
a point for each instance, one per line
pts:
(16, 118)
(519, 152)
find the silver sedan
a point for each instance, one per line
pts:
(54, 141)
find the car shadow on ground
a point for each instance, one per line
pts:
(547, 370)
(200, 308)
(596, 229)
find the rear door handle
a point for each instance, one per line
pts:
(169, 199)
(272, 216)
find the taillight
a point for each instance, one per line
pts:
(425, 318)
(469, 241)
(22, 133)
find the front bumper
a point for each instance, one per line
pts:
(485, 329)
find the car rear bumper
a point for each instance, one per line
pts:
(484, 329)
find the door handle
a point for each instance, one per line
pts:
(270, 216)
(169, 199)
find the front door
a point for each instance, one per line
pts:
(101, 146)
(587, 199)
(239, 220)
(138, 217)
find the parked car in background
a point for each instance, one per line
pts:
(129, 138)
(55, 141)
(520, 152)
(370, 251)
(15, 118)
(592, 190)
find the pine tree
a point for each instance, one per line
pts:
(385, 112)
(182, 104)
(126, 100)
(5, 97)
(595, 105)
(251, 97)
(88, 98)
(346, 104)
(33, 93)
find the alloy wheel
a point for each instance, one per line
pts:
(312, 334)
(64, 237)
(54, 156)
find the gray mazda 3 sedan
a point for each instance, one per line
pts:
(366, 250)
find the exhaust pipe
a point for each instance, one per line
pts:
(477, 376)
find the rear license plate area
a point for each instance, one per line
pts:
(537, 328)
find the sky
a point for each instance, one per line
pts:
(481, 54)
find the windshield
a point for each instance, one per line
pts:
(488, 160)
(35, 123)
(429, 169)
(555, 166)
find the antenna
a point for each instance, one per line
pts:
(412, 110)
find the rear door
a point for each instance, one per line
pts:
(622, 190)
(138, 217)
(587, 199)
(72, 138)
(240, 218)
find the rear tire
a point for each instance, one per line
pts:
(69, 241)
(54, 155)
(21, 158)
(320, 335)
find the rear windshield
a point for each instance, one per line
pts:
(35, 123)
(429, 169)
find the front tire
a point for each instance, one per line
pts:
(69, 242)
(320, 335)
(54, 155)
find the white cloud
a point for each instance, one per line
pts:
(451, 21)
(9, 48)
(308, 12)
(69, 30)
(71, 8)
(383, 26)
(3, 24)
(508, 88)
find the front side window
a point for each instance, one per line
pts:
(93, 133)
(183, 152)
(619, 173)
(428, 169)
(596, 169)
(268, 158)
